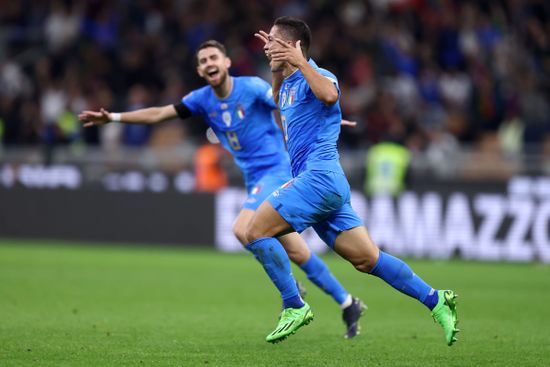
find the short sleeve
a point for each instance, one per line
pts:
(327, 74)
(264, 92)
(192, 101)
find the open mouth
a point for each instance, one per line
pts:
(212, 73)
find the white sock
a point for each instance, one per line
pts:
(348, 301)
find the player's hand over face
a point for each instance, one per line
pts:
(282, 51)
(264, 37)
(92, 118)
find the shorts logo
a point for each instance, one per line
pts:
(256, 189)
(275, 193)
(287, 184)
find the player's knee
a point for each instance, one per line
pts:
(299, 256)
(364, 264)
(240, 232)
(252, 233)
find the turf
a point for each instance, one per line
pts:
(63, 305)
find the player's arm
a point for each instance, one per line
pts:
(322, 87)
(151, 115)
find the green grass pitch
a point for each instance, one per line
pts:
(97, 305)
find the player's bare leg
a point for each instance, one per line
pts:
(267, 222)
(296, 248)
(357, 247)
(241, 224)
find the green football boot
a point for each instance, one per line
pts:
(445, 314)
(291, 320)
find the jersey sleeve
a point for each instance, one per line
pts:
(264, 92)
(330, 76)
(193, 102)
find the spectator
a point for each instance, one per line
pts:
(209, 173)
(447, 67)
(387, 166)
(62, 25)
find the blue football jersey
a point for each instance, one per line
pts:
(244, 124)
(311, 128)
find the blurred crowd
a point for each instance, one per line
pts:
(431, 74)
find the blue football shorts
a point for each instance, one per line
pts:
(263, 188)
(318, 199)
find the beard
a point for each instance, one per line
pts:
(220, 81)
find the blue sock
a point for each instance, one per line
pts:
(321, 276)
(271, 254)
(400, 276)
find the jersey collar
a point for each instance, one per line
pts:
(228, 94)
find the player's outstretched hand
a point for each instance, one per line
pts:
(94, 118)
(282, 51)
(348, 123)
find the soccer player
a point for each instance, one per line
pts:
(319, 194)
(239, 111)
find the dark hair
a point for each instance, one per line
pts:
(211, 43)
(296, 30)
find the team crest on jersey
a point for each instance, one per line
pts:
(288, 97)
(226, 117)
(291, 96)
(240, 111)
